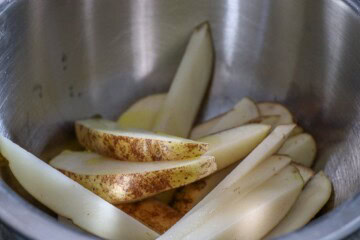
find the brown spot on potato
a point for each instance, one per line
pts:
(120, 188)
(153, 213)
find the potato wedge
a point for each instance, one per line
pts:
(106, 138)
(232, 145)
(190, 195)
(297, 130)
(154, 214)
(314, 196)
(269, 120)
(188, 88)
(301, 148)
(187, 197)
(8, 177)
(257, 213)
(269, 146)
(142, 113)
(271, 108)
(120, 181)
(305, 172)
(274, 120)
(207, 208)
(243, 112)
(66, 197)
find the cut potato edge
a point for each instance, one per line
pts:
(233, 145)
(272, 108)
(301, 148)
(305, 172)
(243, 112)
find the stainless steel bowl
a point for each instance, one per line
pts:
(62, 60)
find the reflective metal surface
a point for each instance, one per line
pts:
(62, 60)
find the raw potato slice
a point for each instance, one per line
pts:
(243, 112)
(273, 121)
(269, 120)
(305, 172)
(154, 214)
(301, 148)
(257, 213)
(188, 88)
(142, 113)
(270, 109)
(233, 145)
(264, 150)
(106, 138)
(206, 209)
(120, 181)
(190, 195)
(8, 177)
(66, 197)
(297, 130)
(314, 196)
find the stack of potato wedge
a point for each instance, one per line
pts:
(244, 174)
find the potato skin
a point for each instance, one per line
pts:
(186, 197)
(136, 149)
(120, 188)
(153, 213)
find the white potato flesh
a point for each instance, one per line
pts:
(270, 109)
(274, 121)
(270, 120)
(314, 196)
(233, 145)
(244, 111)
(89, 163)
(297, 131)
(269, 146)
(69, 199)
(188, 88)
(305, 172)
(142, 113)
(301, 148)
(254, 215)
(193, 193)
(243, 185)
